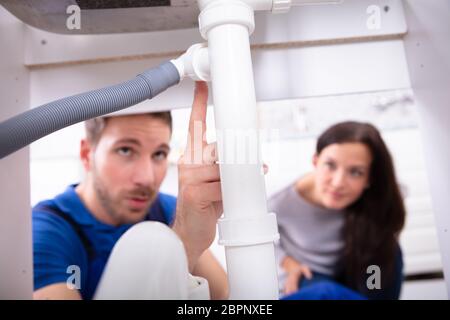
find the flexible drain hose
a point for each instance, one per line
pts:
(21, 130)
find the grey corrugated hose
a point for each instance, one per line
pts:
(21, 130)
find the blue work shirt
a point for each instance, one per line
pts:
(57, 245)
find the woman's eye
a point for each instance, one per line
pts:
(356, 173)
(160, 155)
(124, 151)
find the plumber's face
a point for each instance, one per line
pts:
(342, 173)
(130, 163)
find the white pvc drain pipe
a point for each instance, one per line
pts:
(247, 230)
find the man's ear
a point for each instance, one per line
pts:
(86, 149)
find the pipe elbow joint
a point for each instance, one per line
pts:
(194, 63)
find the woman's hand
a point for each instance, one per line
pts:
(295, 270)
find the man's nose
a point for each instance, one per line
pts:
(144, 173)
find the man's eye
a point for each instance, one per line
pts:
(329, 165)
(160, 155)
(124, 151)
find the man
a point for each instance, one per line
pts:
(125, 161)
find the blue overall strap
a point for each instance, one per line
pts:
(76, 227)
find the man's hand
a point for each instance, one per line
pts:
(295, 270)
(199, 203)
(56, 291)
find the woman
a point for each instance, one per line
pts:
(339, 221)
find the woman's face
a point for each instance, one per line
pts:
(342, 173)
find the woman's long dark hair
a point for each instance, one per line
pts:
(372, 223)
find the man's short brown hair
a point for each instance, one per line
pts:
(95, 126)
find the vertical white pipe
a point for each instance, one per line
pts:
(247, 229)
(235, 114)
(252, 272)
